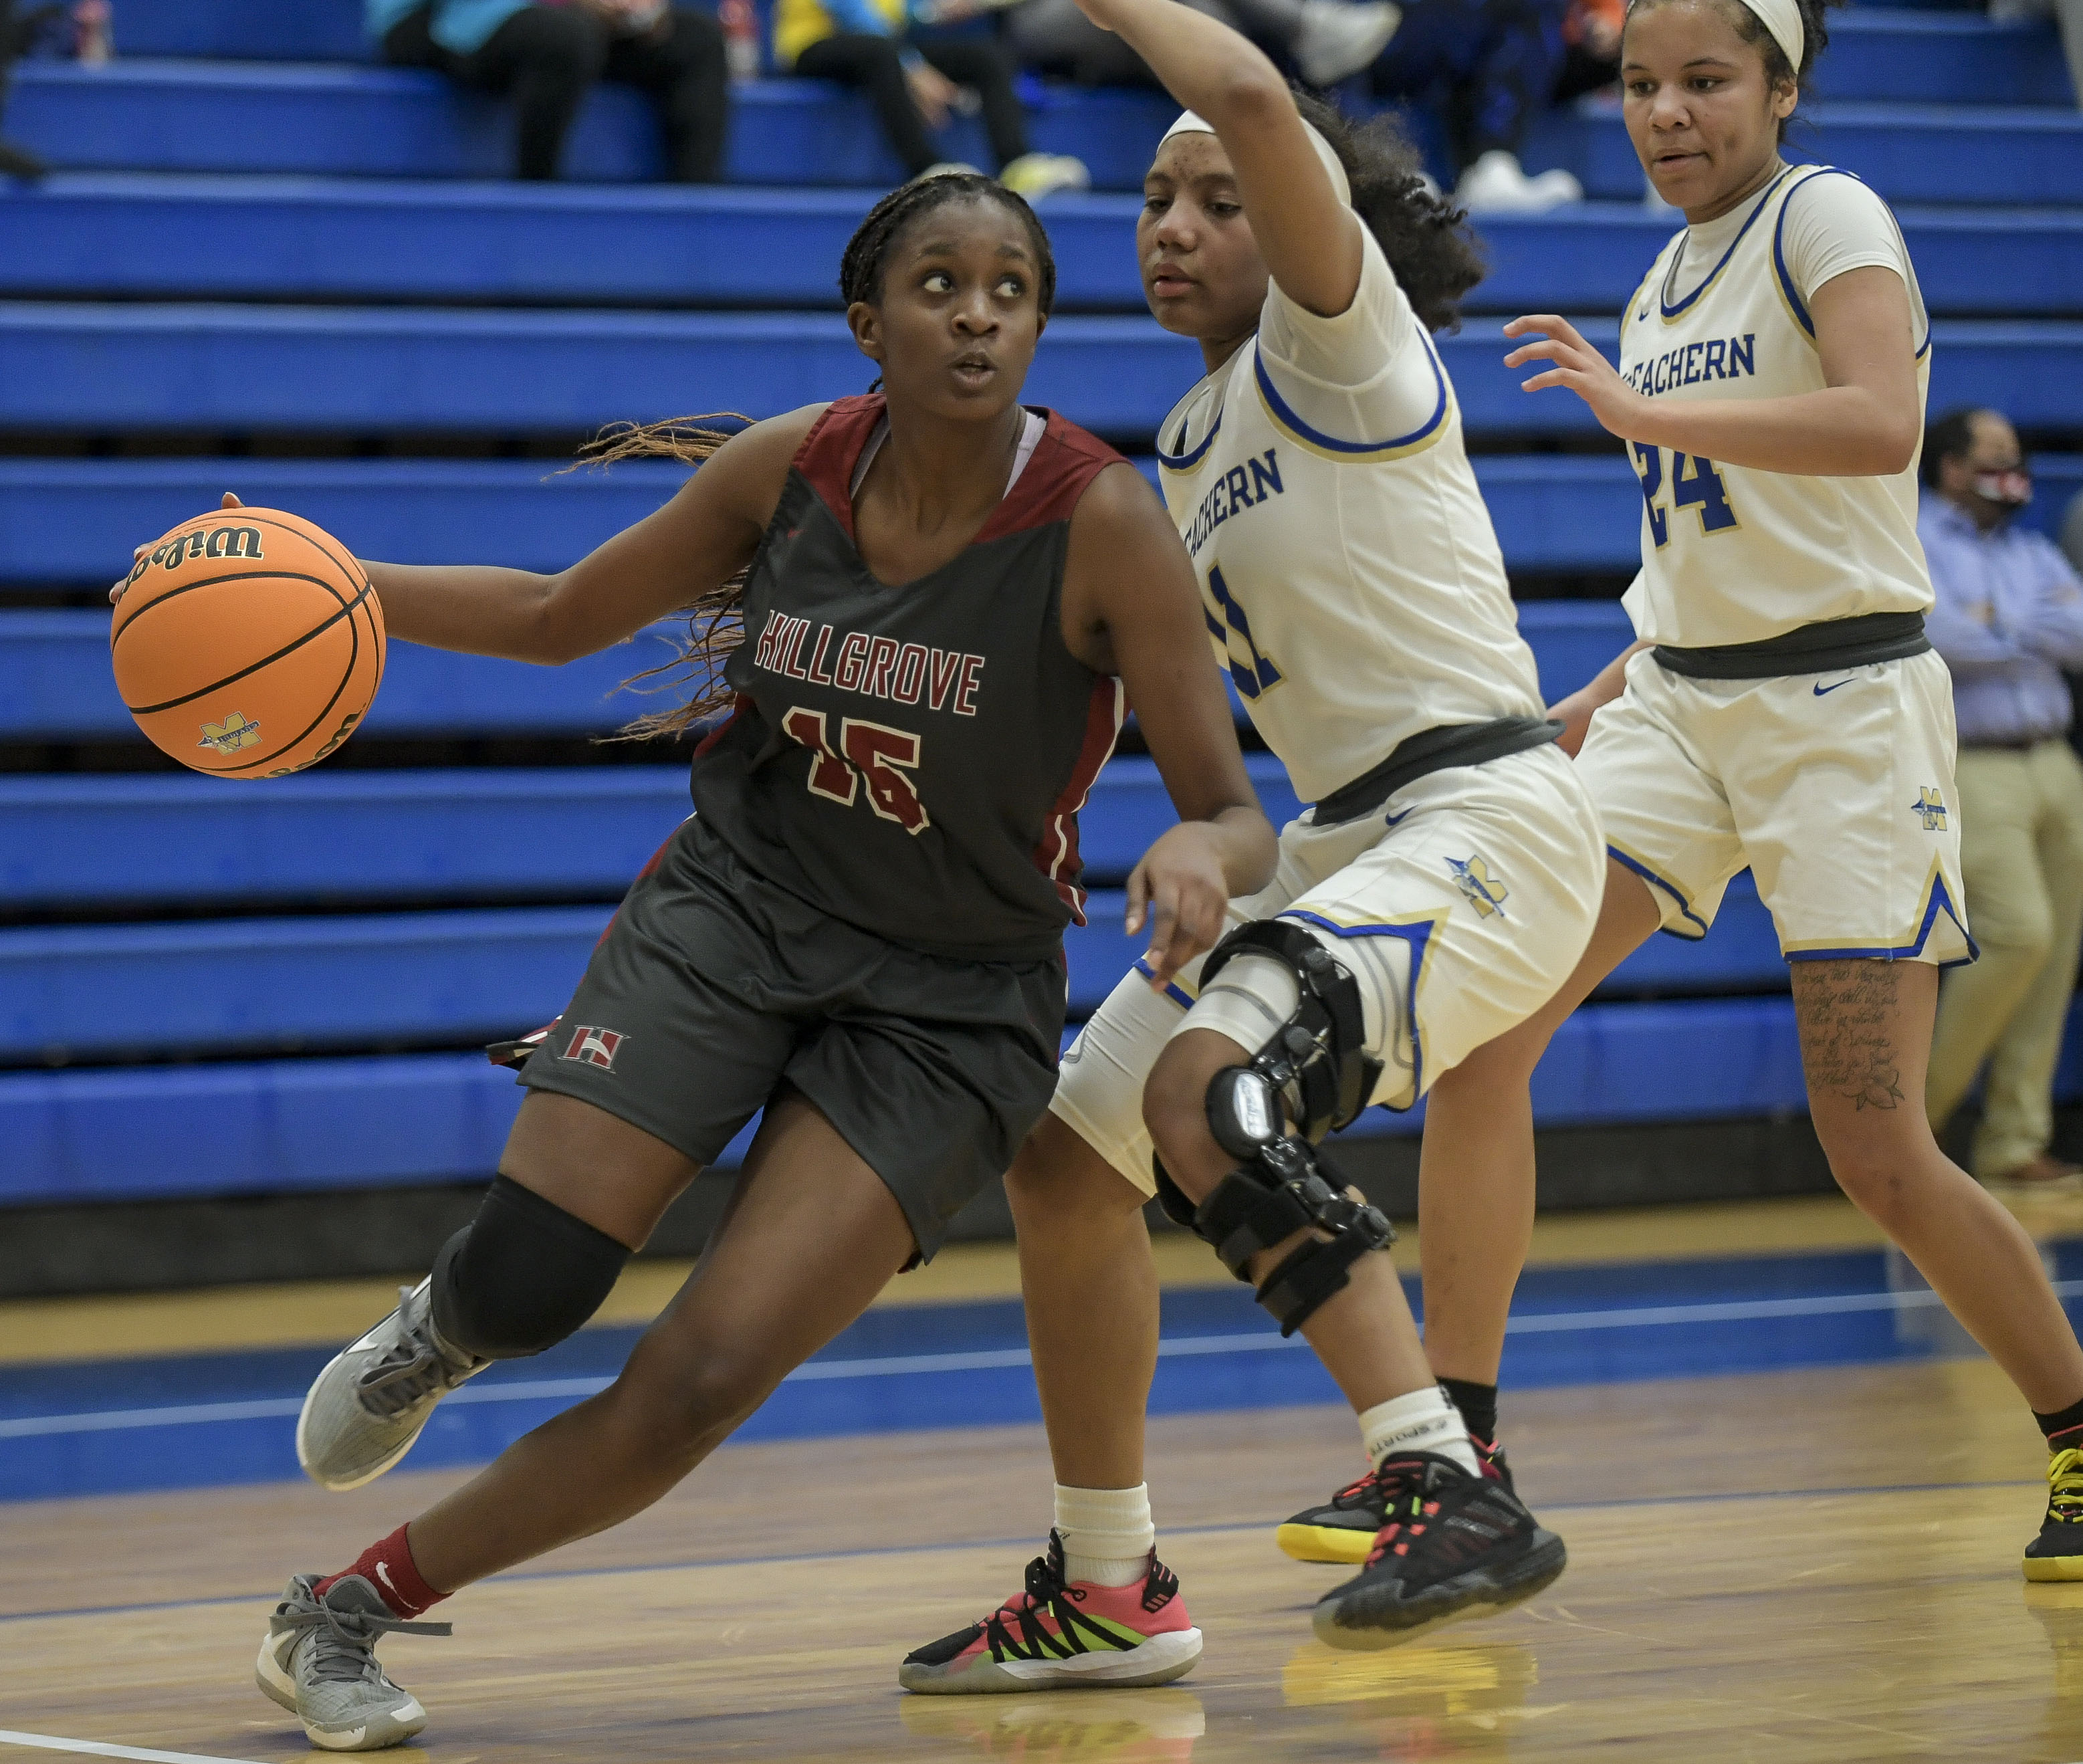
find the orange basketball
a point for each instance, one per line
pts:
(248, 643)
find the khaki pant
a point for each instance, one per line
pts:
(2022, 862)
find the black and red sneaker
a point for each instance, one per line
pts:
(1453, 1546)
(1343, 1529)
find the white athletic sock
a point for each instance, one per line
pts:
(1107, 1534)
(1421, 1421)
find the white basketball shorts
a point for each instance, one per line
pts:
(1836, 789)
(1460, 906)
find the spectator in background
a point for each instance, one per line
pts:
(2068, 19)
(546, 57)
(1591, 47)
(1490, 67)
(14, 162)
(2009, 618)
(1328, 40)
(916, 86)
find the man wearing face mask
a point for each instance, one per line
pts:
(2009, 619)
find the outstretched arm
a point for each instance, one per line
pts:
(701, 539)
(1575, 712)
(1132, 608)
(1866, 422)
(1309, 239)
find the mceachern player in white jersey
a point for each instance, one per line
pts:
(1783, 708)
(1441, 888)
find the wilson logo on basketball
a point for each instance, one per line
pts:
(596, 1047)
(219, 542)
(228, 737)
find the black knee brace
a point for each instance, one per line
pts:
(1281, 1189)
(521, 1275)
(1317, 1062)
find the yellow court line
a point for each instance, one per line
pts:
(225, 1318)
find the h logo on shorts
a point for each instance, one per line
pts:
(596, 1047)
(1930, 807)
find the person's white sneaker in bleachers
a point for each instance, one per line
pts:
(1495, 184)
(1035, 175)
(1337, 38)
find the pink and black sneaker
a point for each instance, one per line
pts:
(1057, 1633)
(1452, 1546)
(1343, 1529)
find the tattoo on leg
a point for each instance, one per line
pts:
(1844, 1008)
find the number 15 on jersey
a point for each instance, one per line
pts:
(1694, 483)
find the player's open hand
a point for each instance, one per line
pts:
(1576, 367)
(1179, 890)
(117, 591)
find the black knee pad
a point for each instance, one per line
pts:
(521, 1275)
(1285, 1187)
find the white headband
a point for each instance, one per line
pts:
(1191, 124)
(1782, 18)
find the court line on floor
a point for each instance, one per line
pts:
(50, 1742)
(1025, 1542)
(1002, 1359)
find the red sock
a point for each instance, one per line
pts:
(387, 1565)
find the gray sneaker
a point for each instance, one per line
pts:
(319, 1661)
(362, 1413)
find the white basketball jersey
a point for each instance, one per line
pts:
(1731, 554)
(1350, 578)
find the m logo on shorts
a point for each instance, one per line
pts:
(1930, 807)
(1485, 892)
(596, 1047)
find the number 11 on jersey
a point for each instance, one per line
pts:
(1694, 484)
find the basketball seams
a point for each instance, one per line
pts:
(364, 600)
(346, 611)
(353, 656)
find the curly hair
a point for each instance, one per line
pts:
(1778, 72)
(1423, 234)
(716, 623)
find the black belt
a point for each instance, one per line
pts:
(1827, 647)
(1433, 750)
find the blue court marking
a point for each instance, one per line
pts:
(210, 1418)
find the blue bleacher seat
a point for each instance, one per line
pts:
(273, 1126)
(172, 116)
(300, 963)
(103, 365)
(384, 122)
(75, 520)
(471, 835)
(126, 234)
(1909, 153)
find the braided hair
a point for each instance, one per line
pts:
(716, 623)
(1422, 234)
(1778, 71)
(867, 252)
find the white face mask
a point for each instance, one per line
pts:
(2012, 486)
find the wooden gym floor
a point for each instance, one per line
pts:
(1794, 1566)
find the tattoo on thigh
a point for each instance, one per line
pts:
(1844, 1009)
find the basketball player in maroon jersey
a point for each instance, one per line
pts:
(948, 601)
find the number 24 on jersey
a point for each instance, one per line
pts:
(1694, 484)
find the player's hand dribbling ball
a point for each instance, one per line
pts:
(246, 643)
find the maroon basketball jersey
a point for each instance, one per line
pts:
(912, 760)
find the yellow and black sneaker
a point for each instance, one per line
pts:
(2056, 1554)
(1343, 1529)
